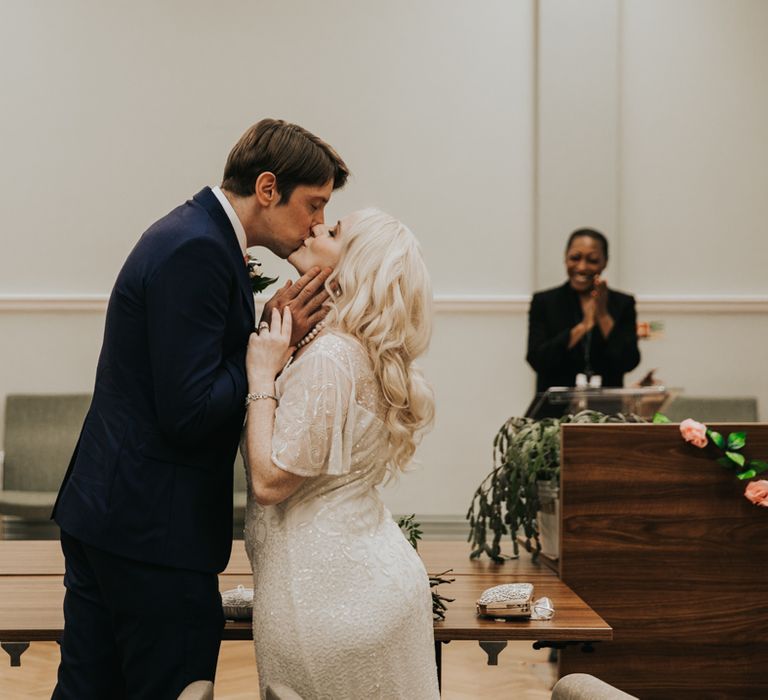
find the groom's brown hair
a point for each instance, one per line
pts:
(294, 155)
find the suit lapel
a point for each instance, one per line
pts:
(208, 201)
(569, 306)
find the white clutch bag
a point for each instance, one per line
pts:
(237, 603)
(506, 600)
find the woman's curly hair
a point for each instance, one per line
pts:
(383, 298)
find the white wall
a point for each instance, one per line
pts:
(577, 120)
(695, 146)
(117, 112)
(492, 129)
(653, 118)
(694, 167)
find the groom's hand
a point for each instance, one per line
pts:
(306, 297)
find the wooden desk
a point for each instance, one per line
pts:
(44, 557)
(32, 593)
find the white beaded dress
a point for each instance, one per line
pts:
(342, 605)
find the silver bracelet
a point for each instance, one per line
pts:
(260, 395)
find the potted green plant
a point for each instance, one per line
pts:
(412, 531)
(526, 455)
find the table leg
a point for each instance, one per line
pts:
(493, 649)
(586, 646)
(15, 650)
(439, 661)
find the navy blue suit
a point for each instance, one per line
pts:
(150, 483)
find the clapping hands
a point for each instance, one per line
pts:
(596, 307)
(600, 296)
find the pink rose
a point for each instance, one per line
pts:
(757, 492)
(694, 432)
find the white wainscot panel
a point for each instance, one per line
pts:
(476, 365)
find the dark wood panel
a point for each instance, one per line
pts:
(658, 539)
(654, 671)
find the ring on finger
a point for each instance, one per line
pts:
(263, 325)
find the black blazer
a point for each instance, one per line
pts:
(552, 315)
(151, 476)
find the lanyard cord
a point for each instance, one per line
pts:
(587, 342)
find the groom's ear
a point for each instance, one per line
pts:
(266, 189)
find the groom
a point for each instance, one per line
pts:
(145, 508)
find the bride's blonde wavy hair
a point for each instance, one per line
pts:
(384, 299)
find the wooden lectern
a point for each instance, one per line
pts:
(560, 400)
(660, 541)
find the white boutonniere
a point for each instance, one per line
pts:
(256, 274)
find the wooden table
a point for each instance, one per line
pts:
(41, 557)
(32, 594)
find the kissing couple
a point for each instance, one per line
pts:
(325, 402)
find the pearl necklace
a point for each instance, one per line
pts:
(309, 337)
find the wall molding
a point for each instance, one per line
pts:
(444, 303)
(53, 303)
(710, 304)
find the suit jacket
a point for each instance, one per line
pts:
(151, 477)
(552, 315)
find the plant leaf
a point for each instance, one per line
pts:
(737, 440)
(717, 438)
(725, 462)
(259, 284)
(736, 457)
(747, 474)
(660, 418)
(758, 465)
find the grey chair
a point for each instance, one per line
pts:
(41, 431)
(582, 686)
(281, 692)
(199, 690)
(712, 409)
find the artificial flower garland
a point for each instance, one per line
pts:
(699, 435)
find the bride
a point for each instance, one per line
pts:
(342, 605)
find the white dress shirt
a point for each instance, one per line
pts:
(232, 214)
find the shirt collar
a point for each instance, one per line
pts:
(233, 218)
